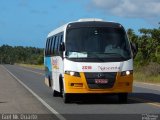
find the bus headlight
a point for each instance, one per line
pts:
(126, 73)
(72, 73)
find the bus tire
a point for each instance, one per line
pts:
(66, 98)
(61, 85)
(55, 93)
(123, 97)
(49, 80)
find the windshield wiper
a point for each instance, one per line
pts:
(114, 54)
(96, 56)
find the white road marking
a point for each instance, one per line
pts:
(148, 84)
(31, 71)
(34, 94)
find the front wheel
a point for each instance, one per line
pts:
(123, 97)
(66, 98)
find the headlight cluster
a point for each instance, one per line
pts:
(126, 73)
(72, 73)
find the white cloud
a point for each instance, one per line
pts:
(129, 8)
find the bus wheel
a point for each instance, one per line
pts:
(123, 97)
(55, 93)
(49, 80)
(66, 97)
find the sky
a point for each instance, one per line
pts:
(27, 22)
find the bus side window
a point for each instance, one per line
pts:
(56, 42)
(50, 47)
(61, 39)
(49, 44)
(46, 48)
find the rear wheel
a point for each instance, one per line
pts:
(123, 97)
(55, 93)
(49, 80)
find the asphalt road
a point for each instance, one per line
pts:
(145, 99)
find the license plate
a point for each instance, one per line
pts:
(101, 81)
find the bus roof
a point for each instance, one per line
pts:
(85, 22)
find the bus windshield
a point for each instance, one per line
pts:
(97, 42)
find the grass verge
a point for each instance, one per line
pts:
(142, 77)
(33, 66)
(148, 73)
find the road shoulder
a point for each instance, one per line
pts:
(14, 98)
(147, 85)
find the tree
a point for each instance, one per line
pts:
(19, 54)
(149, 42)
(132, 36)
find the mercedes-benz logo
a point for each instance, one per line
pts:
(99, 75)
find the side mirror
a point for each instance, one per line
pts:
(62, 47)
(134, 48)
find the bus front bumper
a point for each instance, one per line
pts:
(78, 85)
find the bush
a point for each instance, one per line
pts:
(152, 69)
(158, 59)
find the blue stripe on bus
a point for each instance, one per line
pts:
(48, 66)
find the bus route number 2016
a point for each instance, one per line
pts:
(86, 67)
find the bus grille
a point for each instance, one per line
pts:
(92, 76)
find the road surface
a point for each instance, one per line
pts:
(145, 99)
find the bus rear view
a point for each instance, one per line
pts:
(95, 57)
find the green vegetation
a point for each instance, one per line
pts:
(147, 61)
(25, 55)
(149, 73)
(33, 66)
